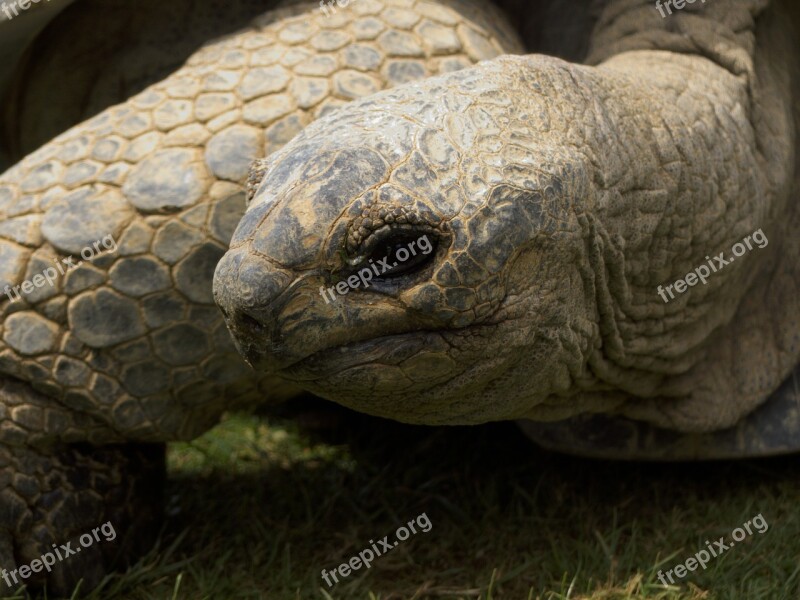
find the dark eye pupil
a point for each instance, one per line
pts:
(401, 254)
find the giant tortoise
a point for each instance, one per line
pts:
(568, 198)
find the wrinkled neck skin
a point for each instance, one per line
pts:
(563, 196)
(690, 149)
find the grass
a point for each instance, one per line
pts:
(258, 506)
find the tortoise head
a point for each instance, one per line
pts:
(412, 255)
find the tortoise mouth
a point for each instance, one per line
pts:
(384, 350)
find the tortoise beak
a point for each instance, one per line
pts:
(252, 296)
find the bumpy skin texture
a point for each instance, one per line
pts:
(54, 494)
(132, 336)
(128, 346)
(771, 429)
(560, 196)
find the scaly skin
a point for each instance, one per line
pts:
(129, 346)
(146, 308)
(561, 196)
(54, 494)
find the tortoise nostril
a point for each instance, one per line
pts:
(251, 323)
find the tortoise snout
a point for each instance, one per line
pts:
(250, 292)
(256, 338)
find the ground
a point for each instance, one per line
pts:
(260, 505)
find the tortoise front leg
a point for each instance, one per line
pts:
(72, 512)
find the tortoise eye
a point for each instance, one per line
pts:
(402, 253)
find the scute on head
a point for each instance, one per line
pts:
(442, 339)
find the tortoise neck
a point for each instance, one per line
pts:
(561, 28)
(694, 28)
